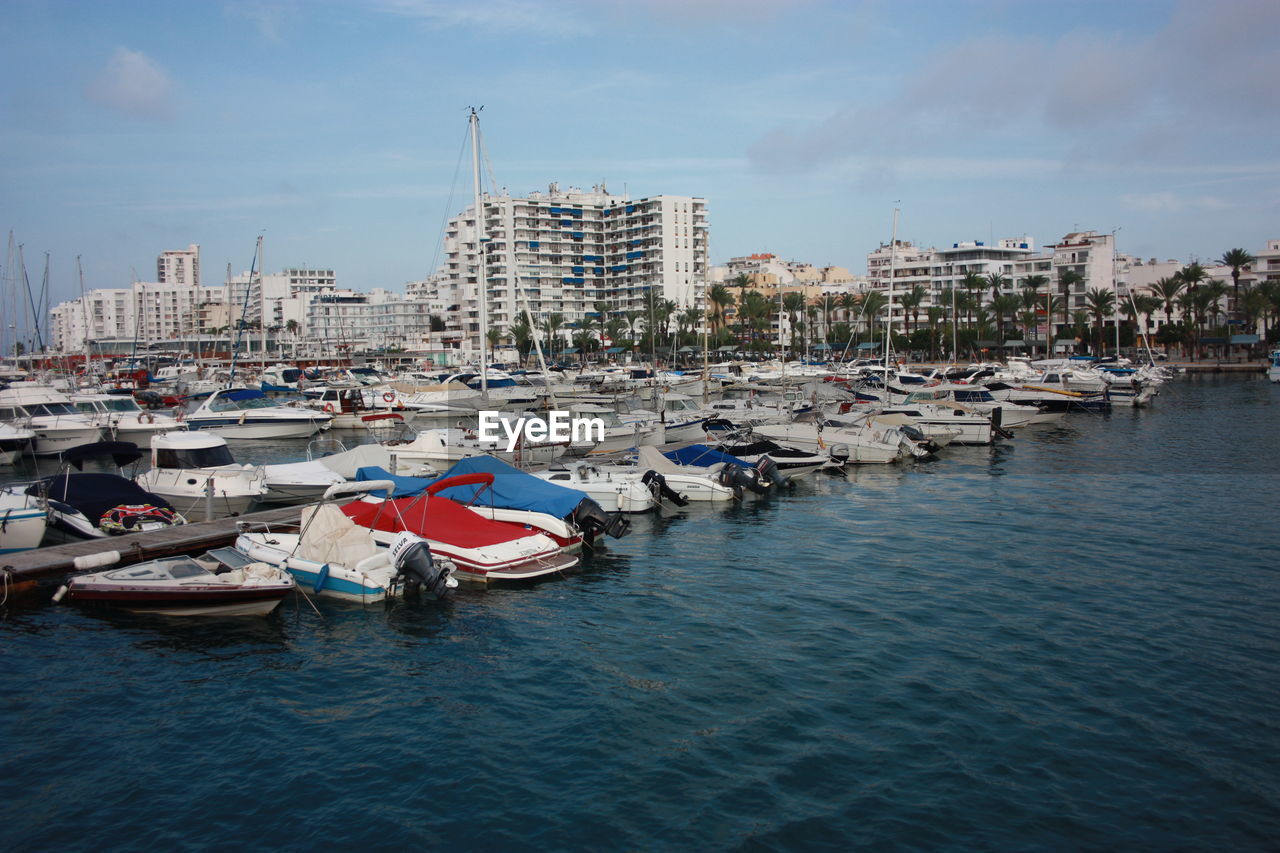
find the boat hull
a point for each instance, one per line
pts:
(197, 600)
(249, 430)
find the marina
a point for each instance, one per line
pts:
(1066, 638)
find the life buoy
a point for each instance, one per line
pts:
(388, 397)
(328, 407)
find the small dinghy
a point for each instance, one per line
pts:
(222, 582)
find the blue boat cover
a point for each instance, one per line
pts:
(702, 455)
(405, 486)
(242, 394)
(512, 488)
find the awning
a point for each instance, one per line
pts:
(615, 350)
(869, 345)
(690, 349)
(1018, 343)
(571, 351)
(1243, 340)
(727, 349)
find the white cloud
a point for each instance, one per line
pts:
(132, 84)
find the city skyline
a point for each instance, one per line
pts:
(335, 129)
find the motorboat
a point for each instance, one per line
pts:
(22, 521)
(196, 474)
(691, 485)
(516, 496)
(121, 418)
(333, 556)
(356, 408)
(762, 478)
(483, 550)
(789, 461)
(1056, 397)
(620, 434)
(246, 413)
(441, 448)
(15, 441)
(94, 505)
(221, 582)
(623, 490)
(858, 442)
(49, 413)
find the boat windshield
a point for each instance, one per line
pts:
(180, 569)
(122, 404)
(193, 457)
(39, 410)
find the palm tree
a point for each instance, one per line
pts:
(910, 303)
(1167, 290)
(1068, 280)
(1214, 291)
(1101, 303)
(1237, 259)
(753, 313)
(935, 315)
(793, 304)
(1147, 305)
(522, 332)
(848, 302)
(1192, 274)
(552, 326)
(720, 298)
(1030, 301)
(1004, 305)
(974, 284)
(1254, 304)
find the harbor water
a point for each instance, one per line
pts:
(1068, 640)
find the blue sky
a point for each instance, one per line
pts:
(334, 128)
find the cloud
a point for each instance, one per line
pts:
(133, 85)
(1170, 202)
(502, 17)
(1186, 86)
(267, 16)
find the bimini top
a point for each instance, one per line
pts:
(94, 494)
(702, 456)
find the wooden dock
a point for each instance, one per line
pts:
(56, 560)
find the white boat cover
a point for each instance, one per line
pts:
(330, 537)
(349, 462)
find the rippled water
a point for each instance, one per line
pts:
(1069, 640)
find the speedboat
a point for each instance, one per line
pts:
(623, 491)
(222, 582)
(195, 473)
(121, 418)
(14, 442)
(443, 447)
(91, 505)
(482, 550)
(245, 413)
(22, 521)
(335, 557)
(1273, 372)
(859, 442)
(57, 425)
(761, 478)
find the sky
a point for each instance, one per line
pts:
(335, 129)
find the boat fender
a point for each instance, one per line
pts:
(96, 561)
(321, 578)
(57, 596)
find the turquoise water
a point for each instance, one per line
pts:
(1069, 640)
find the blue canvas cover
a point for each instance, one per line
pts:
(405, 486)
(702, 455)
(512, 488)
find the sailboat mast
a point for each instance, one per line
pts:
(84, 313)
(481, 274)
(888, 323)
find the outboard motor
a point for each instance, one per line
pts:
(592, 520)
(412, 559)
(738, 477)
(769, 472)
(839, 452)
(658, 486)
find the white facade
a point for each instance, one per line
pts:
(179, 266)
(562, 252)
(148, 311)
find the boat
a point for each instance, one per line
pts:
(440, 448)
(333, 556)
(762, 478)
(857, 441)
(22, 521)
(93, 505)
(661, 475)
(625, 490)
(196, 474)
(121, 418)
(221, 582)
(246, 413)
(15, 441)
(1273, 372)
(483, 550)
(48, 413)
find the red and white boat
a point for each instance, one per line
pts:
(482, 549)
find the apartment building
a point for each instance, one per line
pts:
(564, 252)
(179, 266)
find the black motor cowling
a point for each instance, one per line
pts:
(658, 485)
(739, 477)
(416, 568)
(769, 471)
(592, 520)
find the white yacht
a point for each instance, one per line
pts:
(57, 424)
(244, 413)
(1273, 372)
(22, 521)
(196, 473)
(121, 418)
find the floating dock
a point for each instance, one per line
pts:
(21, 567)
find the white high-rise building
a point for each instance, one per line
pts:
(179, 266)
(564, 251)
